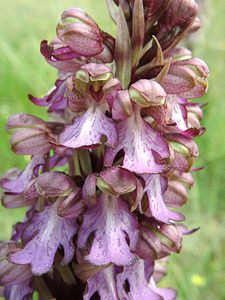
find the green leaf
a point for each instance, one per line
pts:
(123, 50)
(138, 31)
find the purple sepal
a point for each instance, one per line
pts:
(15, 181)
(45, 232)
(54, 98)
(157, 207)
(53, 53)
(116, 232)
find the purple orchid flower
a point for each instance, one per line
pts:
(110, 170)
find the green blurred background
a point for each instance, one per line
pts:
(199, 271)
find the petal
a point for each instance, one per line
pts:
(20, 291)
(19, 182)
(30, 142)
(19, 121)
(112, 223)
(166, 294)
(79, 14)
(96, 70)
(142, 146)
(110, 90)
(10, 200)
(134, 275)
(158, 209)
(104, 283)
(177, 114)
(122, 106)
(55, 95)
(45, 232)
(149, 244)
(88, 129)
(11, 274)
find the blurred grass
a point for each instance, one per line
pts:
(199, 271)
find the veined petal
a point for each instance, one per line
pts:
(30, 135)
(112, 223)
(20, 291)
(142, 146)
(22, 121)
(158, 209)
(89, 189)
(88, 130)
(122, 106)
(11, 274)
(134, 275)
(84, 37)
(104, 283)
(45, 232)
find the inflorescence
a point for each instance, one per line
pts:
(113, 161)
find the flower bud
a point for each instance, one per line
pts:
(116, 181)
(147, 93)
(94, 75)
(54, 184)
(30, 135)
(84, 36)
(186, 78)
(184, 151)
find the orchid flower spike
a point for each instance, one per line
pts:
(109, 170)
